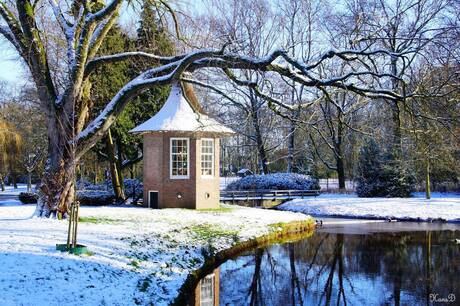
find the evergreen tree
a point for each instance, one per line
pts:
(152, 38)
(378, 176)
(103, 85)
(152, 35)
(122, 149)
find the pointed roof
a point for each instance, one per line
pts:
(182, 115)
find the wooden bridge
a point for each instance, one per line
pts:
(264, 197)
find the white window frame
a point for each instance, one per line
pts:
(208, 300)
(212, 157)
(178, 177)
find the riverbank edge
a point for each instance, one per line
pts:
(384, 219)
(282, 232)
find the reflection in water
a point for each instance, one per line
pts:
(207, 290)
(340, 269)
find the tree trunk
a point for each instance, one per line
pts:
(96, 171)
(116, 184)
(396, 130)
(57, 191)
(15, 181)
(263, 162)
(291, 139)
(118, 161)
(427, 180)
(57, 188)
(396, 114)
(2, 183)
(29, 181)
(132, 171)
(340, 172)
(339, 154)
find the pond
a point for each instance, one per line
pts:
(370, 264)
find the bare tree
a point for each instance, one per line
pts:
(400, 27)
(84, 25)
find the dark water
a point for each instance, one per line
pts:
(340, 268)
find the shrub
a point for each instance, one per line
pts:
(133, 185)
(28, 197)
(85, 185)
(95, 197)
(102, 194)
(380, 175)
(275, 181)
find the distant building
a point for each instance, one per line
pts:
(244, 172)
(181, 153)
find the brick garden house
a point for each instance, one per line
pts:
(181, 153)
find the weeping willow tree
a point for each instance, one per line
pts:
(10, 147)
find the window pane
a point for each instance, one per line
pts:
(207, 157)
(207, 291)
(179, 157)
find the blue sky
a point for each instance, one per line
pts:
(14, 71)
(11, 68)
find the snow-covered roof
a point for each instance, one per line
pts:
(178, 115)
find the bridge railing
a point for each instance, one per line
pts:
(238, 195)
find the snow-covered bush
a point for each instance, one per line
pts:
(95, 197)
(380, 176)
(133, 186)
(102, 194)
(86, 185)
(275, 181)
(28, 197)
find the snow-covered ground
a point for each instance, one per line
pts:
(10, 191)
(444, 206)
(139, 256)
(225, 180)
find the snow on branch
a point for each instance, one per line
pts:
(108, 59)
(105, 12)
(12, 32)
(59, 15)
(345, 55)
(150, 78)
(67, 27)
(6, 32)
(173, 68)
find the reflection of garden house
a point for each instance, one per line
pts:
(181, 154)
(207, 290)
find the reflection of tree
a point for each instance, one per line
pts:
(325, 268)
(428, 267)
(341, 270)
(255, 289)
(337, 259)
(295, 283)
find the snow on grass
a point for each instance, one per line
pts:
(440, 206)
(225, 180)
(138, 256)
(11, 191)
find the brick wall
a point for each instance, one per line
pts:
(193, 191)
(207, 189)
